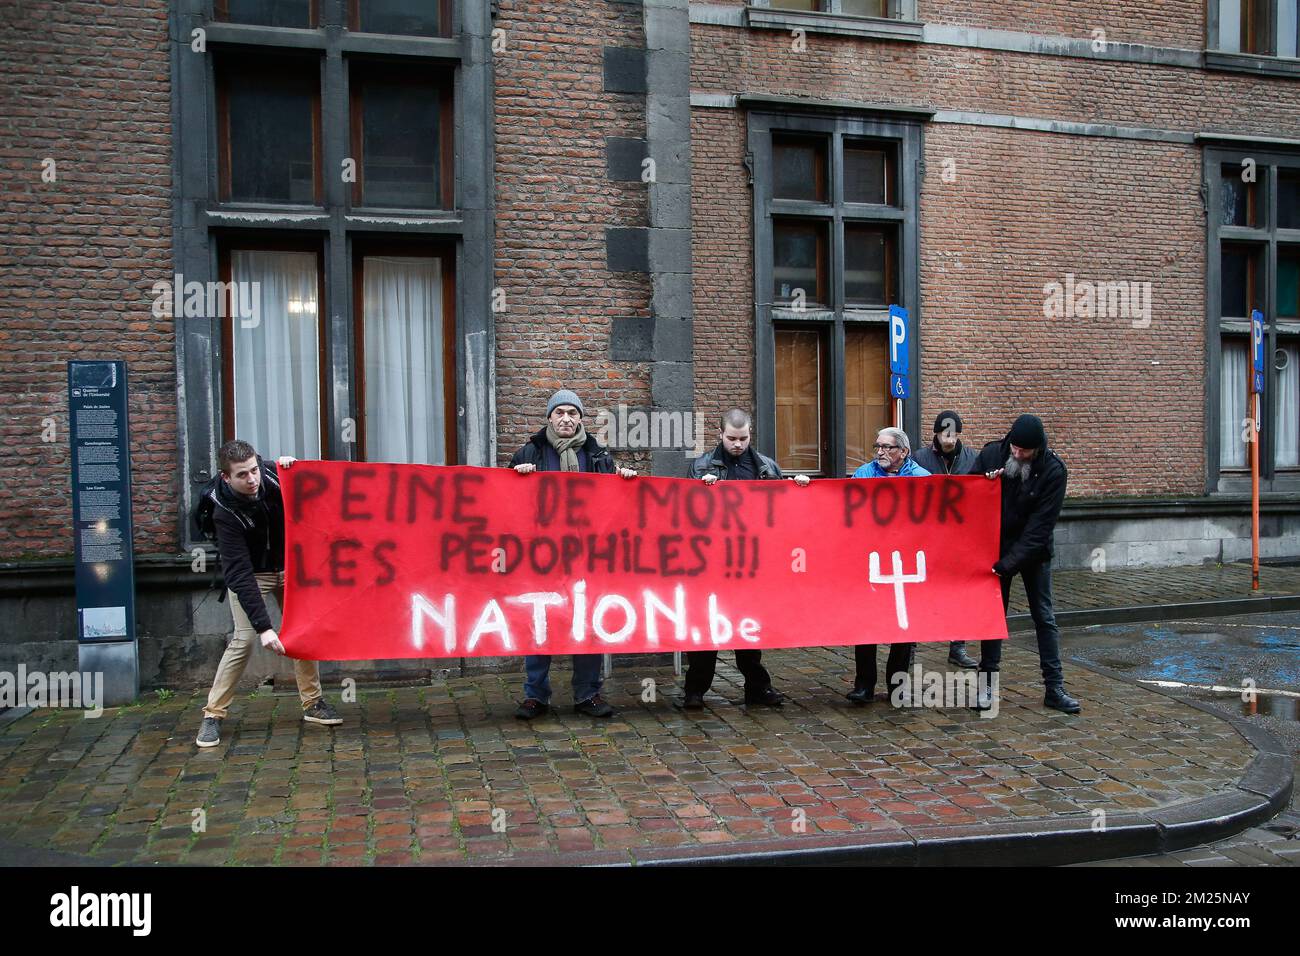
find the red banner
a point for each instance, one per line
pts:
(398, 561)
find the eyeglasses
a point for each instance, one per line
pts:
(879, 447)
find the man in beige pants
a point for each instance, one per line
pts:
(246, 513)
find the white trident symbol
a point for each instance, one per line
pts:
(897, 579)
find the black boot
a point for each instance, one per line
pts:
(958, 657)
(1057, 699)
(862, 695)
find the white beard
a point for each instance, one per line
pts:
(1015, 468)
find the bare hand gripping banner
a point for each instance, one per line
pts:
(393, 561)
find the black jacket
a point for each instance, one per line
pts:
(963, 462)
(250, 539)
(715, 463)
(1029, 508)
(599, 461)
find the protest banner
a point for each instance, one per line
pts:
(401, 561)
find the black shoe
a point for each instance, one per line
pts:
(322, 713)
(862, 695)
(767, 697)
(1057, 699)
(595, 707)
(693, 701)
(532, 708)
(985, 693)
(209, 732)
(958, 657)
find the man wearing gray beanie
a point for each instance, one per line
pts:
(1033, 490)
(564, 445)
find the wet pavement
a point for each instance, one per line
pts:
(1190, 658)
(443, 773)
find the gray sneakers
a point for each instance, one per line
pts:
(321, 713)
(209, 732)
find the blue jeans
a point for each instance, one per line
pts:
(537, 677)
(1038, 588)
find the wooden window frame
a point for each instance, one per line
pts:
(822, 178)
(360, 72)
(259, 243)
(221, 11)
(824, 335)
(444, 20)
(891, 261)
(278, 67)
(825, 294)
(891, 170)
(413, 248)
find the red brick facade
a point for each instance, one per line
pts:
(87, 85)
(553, 203)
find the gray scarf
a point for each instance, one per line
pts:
(567, 447)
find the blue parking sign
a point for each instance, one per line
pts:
(1257, 338)
(898, 344)
(899, 387)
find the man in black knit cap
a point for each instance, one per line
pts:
(1033, 489)
(946, 455)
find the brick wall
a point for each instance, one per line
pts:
(1179, 23)
(553, 203)
(1123, 404)
(721, 253)
(86, 84)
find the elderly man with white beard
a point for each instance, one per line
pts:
(1033, 489)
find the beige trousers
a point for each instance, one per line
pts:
(233, 662)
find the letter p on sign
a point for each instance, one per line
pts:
(898, 340)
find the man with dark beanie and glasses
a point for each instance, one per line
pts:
(1033, 489)
(947, 455)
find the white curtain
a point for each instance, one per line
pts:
(1230, 25)
(1286, 28)
(402, 302)
(1232, 404)
(277, 373)
(1287, 403)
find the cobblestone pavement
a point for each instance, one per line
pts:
(1077, 590)
(443, 773)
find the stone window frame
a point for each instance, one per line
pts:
(1254, 63)
(901, 24)
(1268, 160)
(201, 222)
(903, 127)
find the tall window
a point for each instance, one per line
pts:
(272, 350)
(407, 353)
(268, 130)
(833, 244)
(401, 138)
(1255, 265)
(1260, 27)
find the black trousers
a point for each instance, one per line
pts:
(1038, 588)
(864, 656)
(700, 666)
